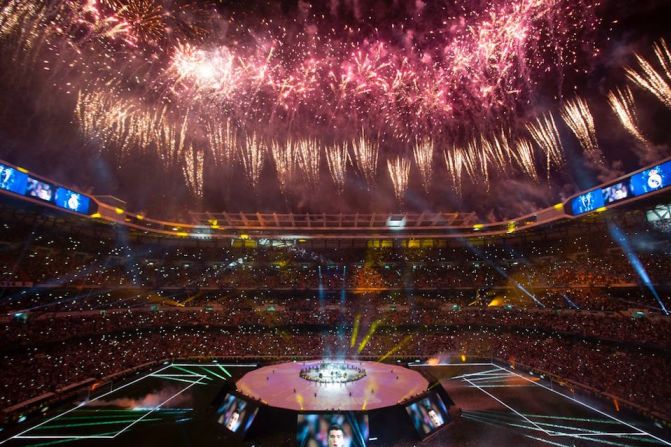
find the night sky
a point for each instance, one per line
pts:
(178, 106)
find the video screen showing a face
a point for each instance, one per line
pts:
(332, 430)
(615, 193)
(428, 415)
(41, 190)
(236, 414)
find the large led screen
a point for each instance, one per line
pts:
(40, 190)
(12, 180)
(72, 201)
(616, 192)
(332, 430)
(652, 179)
(587, 202)
(236, 414)
(428, 415)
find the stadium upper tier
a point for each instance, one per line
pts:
(20, 184)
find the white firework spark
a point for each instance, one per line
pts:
(337, 156)
(399, 171)
(622, 103)
(253, 155)
(545, 134)
(423, 155)
(578, 118)
(648, 78)
(284, 156)
(365, 157)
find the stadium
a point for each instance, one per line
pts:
(348, 223)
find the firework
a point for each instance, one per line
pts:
(144, 18)
(454, 162)
(497, 150)
(545, 134)
(309, 160)
(336, 157)
(365, 157)
(210, 71)
(399, 171)
(284, 156)
(122, 127)
(423, 154)
(655, 82)
(524, 155)
(622, 103)
(578, 118)
(149, 82)
(222, 141)
(194, 162)
(252, 156)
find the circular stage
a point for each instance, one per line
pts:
(343, 385)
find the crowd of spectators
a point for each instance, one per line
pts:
(631, 373)
(75, 306)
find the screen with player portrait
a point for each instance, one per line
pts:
(72, 201)
(332, 430)
(616, 192)
(236, 414)
(40, 190)
(428, 414)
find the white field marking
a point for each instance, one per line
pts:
(156, 408)
(588, 406)
(507, 406)
(81, 405)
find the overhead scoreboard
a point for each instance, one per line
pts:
(21, 183)
(636, 185)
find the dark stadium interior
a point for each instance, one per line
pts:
(343, 223)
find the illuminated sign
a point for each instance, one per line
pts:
(72, 201)
(13, 180)
(639, 184)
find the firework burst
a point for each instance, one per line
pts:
(365, 157)
(423, 155)
(194, 162)
(252, 156)
(652, 80)
(578, 118)
(399, 171)
(336, 157)
(622, 103)
(545, 134)
(284, 156)
(309, 160)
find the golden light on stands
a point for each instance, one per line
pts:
(601, 209)
(118, 210)
(559, 207)
(478, 227)
(96, 216)
(20, 169)
(512, 226)
(139, 216)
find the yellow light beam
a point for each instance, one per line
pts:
(370, 333)
(355, 331)
(403, 342)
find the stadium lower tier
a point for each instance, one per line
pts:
(630, 374)
(27, 329)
